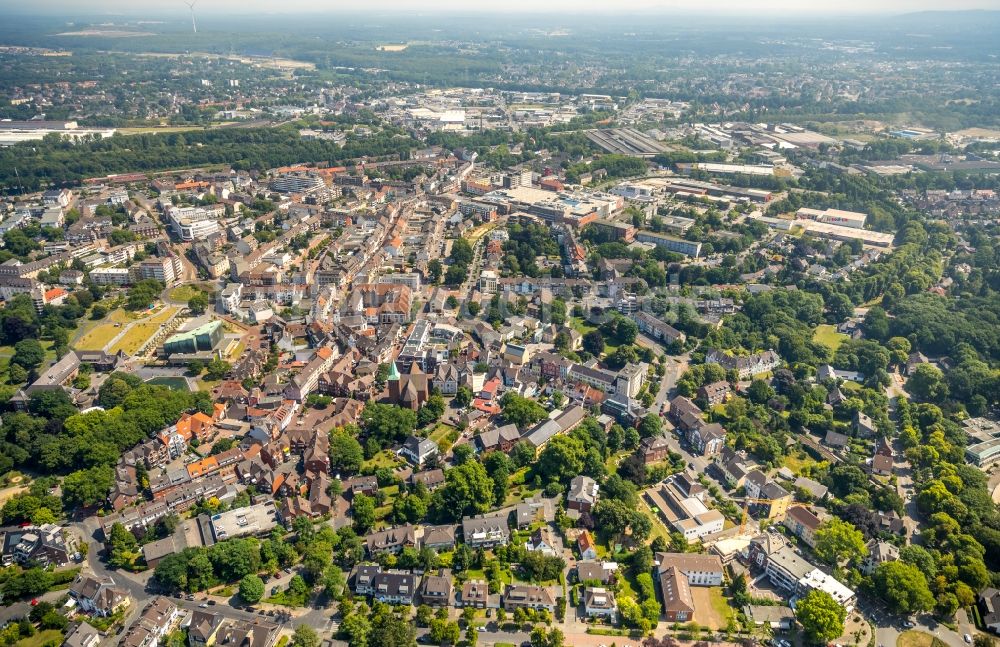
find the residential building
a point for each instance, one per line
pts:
(773, 498)
(714, 393)
(802, 522)
(419, 450)
(654, 449)
(391, 540)
(585, 544)
(678, 603)
(98, 595)
(599, 602)
(436, 590)
(394, 587)
(528, 596)
(475, 594)
(700, 570)
(582, 493)
(879, 552)
(486, 531)
(748, 366)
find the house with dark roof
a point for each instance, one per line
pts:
(98, 595)
(475, 594)
(714, 393)
(989, 608)
(391, 540)
(436, 590)
(486, 531)
(582, 494)
(527, 596)
(685, 414)
(599, 602)
(707, 439)
(592, 571)
(500, 438)
(431, 479)
(654, 449)
(418, 450)
(394, 587)
(438, 537)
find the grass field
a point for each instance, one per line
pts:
(40, 638)
(98, 338)
(135, 337)
(382, 459)
(917, 639)
(163, 315)
(442, 435)
(828, 336)
(582, 327)
(183, 292)
(798, 462)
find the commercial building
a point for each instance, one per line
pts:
(839, 217)
(299, 182)
(257, 519)
(193, 223)
(680, 500)
(671, 243)
(202, 338)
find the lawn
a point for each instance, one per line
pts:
(163, 315)
(443, 436)
(183, 292)
(798, 462)
(582, 327)
(40, 638)
(98, 338)
(917, 639)
(828, 336)
(136, 336)
(659, 530)
(383, 459)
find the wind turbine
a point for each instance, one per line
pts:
(194, 25)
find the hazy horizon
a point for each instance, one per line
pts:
(265, 7)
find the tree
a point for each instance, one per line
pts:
(561, 459)
(28, 354)
(593, 343)
(89, 487)
(927, 383)
(356, 628)
(650, 426)
(456, 274)
(363, 511)
(217, 369)
(390, 630)
(198, 303)
(821, 617)
(123, 547)
(838, 540)
(903, 586)
(251, 589)
(434, 271)
(387, 423)
(461, 252)
(463, 397)
(305, 636)
(346, 454)
(468, 490)
(521, 411)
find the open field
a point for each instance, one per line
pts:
(98, 338)
(136, 336)
(914, 638)
(163, 315)
(184, 292)
(40, 638)
(828, 336)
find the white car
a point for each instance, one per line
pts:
(967, 638)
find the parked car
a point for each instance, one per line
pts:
(967, 638)
(909, 624)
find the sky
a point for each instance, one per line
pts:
(465, 6)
